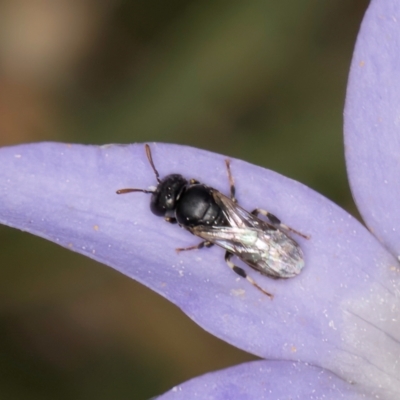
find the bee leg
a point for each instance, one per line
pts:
(231, 181)
(276, 222)
(241, 272)
(171, 220)
(196, 247)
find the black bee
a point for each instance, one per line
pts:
(218, 219)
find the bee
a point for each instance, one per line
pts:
(219, 220)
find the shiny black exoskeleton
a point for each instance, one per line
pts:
(189, 203)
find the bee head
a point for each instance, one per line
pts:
(164, 198)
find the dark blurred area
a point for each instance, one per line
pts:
(258, 80)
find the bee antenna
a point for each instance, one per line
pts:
(150, 158)
(129, 190)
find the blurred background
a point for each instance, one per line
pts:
(258, 80)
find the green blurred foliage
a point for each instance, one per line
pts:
(258, 80)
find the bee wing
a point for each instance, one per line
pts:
(270, 252)
(235, 240)
(238, 216)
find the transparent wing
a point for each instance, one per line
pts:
(270, 252)
(238, 216)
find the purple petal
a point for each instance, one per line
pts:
(372, 122)
(340, 313)
(272, 380)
